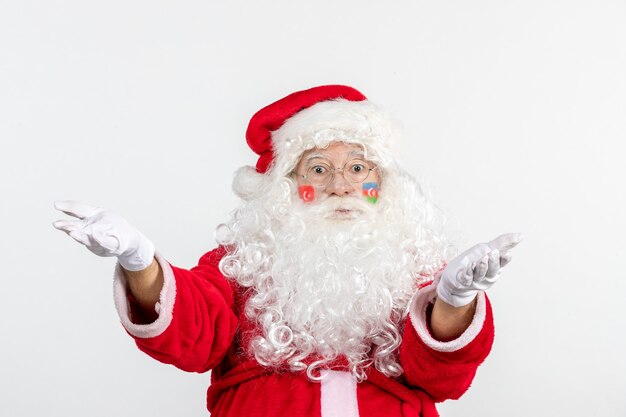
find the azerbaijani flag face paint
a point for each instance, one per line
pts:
(307, 193)
(370, 191)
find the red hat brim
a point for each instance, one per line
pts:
(273, 116)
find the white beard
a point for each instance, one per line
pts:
(332, 280)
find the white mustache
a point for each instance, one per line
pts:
(333, 204)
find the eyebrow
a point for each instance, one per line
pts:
(322, 156)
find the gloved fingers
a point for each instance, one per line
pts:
(506, 242)
(493, 268)
(480, 268)
(105, 236)
(490, 264)
(76, 209)
(465, 277)
(80, 236)
(505, 258)
(493, 272)
(477, 252)
(67, 225)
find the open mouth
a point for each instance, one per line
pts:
(343, 214)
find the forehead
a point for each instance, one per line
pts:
(335, 150)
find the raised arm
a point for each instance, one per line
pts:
(177, 316)
(476, 269)
(106, 233)
(450, 328)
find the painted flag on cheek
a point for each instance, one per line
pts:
(370, 191)
(307, 193)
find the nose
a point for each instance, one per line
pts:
(339, 186)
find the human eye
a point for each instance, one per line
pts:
(319, 169)
(358, 167)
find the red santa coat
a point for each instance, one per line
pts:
(201, 323)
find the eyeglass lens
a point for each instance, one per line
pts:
(321, 173)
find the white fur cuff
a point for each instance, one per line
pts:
(163, 307)
(417, 312)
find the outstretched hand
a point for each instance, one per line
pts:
(476, 269)
(105, 233)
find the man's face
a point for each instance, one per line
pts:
(339, 171)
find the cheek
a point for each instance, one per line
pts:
(306, 192)
(370, 191)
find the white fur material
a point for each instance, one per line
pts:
(280, 244)
(321, 288)
(338, 396)
(417, 313)
(163, 307)
(359, 122)
(247, 182)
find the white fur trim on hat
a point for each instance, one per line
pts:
(358, 122)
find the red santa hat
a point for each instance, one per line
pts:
(280, 132)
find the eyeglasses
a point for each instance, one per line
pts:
(321, 173)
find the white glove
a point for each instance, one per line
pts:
(106, 233)
(476, 269)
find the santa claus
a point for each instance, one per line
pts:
(333, 291)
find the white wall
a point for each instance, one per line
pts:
(515, 115)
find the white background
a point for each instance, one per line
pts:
(515, 118)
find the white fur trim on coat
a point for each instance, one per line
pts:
(164, 307)
(417, 312)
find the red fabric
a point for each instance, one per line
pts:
(378, 394)
(273, 116)
(204, 323)
(445, 375)
(413, 401)
(207, 329)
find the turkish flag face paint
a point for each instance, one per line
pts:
(370, 191)
(307, 193)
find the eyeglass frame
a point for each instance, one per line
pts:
(342, 169)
